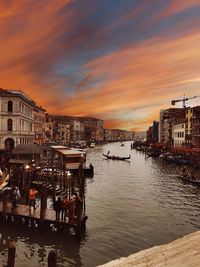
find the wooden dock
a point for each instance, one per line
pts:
(45, 221)
(183, 252)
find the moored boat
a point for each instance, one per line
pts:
(190, 180)
(154, 153)
(92, 145)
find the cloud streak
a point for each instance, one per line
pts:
(121, 62)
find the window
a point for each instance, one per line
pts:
(10, 106)
(10, 125)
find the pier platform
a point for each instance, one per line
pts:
(45, 221)
(183, 252)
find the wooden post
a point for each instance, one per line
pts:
(43, 205)
(52, 259)
(5, 201)
(11, 254)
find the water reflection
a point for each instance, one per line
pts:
(33, 247)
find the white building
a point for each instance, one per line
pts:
(16, 119)
(178, 134)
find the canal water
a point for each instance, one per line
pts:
(131, 205)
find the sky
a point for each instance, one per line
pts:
(117, 60)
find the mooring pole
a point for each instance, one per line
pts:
(11, 254)
(52, 259)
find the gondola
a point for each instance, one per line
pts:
(116, 157)
(153, 154)
(193, 181)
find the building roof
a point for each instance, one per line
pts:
(59, 147)
(20, 94)
(19, 161)
(70, 152)
(27, 149)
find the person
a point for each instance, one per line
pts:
(32, 197)
(65, 206)
(58, 208)
(184, 170)
(78, 205)
(72, 209)
(15, 195)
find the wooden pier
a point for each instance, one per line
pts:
(42, 220)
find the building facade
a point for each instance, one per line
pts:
(16, 119)
(178, 135)
(168, 118)
(196, 126)
(39, 125)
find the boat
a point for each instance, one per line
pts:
(190, 180)
(116, 157)
(176, 159)
(154, 153)
(92, 145)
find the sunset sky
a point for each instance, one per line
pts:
(118, 60)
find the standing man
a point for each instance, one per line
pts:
(32, 196)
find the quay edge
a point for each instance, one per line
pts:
(183, 252)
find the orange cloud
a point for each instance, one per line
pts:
(151, 73)
(126, 88)
(177, 6)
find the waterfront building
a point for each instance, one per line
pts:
(113, 135)
(149, 138)
(155, 131)
(76, 130)
(16, 119)
(107, 135)
(58, 128)
(196, 126)
(140, 136)
(178, 135)
(94, 130)
(39, 125)
(168, 118)
(152, 133)
(188, 127)
(48, 128)
(64, 129)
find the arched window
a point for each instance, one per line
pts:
(10, 125)
(10, 106)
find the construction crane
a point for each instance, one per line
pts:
(184, 99)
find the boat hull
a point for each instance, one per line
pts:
(116, 157)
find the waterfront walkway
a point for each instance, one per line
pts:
(183, 252)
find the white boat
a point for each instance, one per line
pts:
(92, 145)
